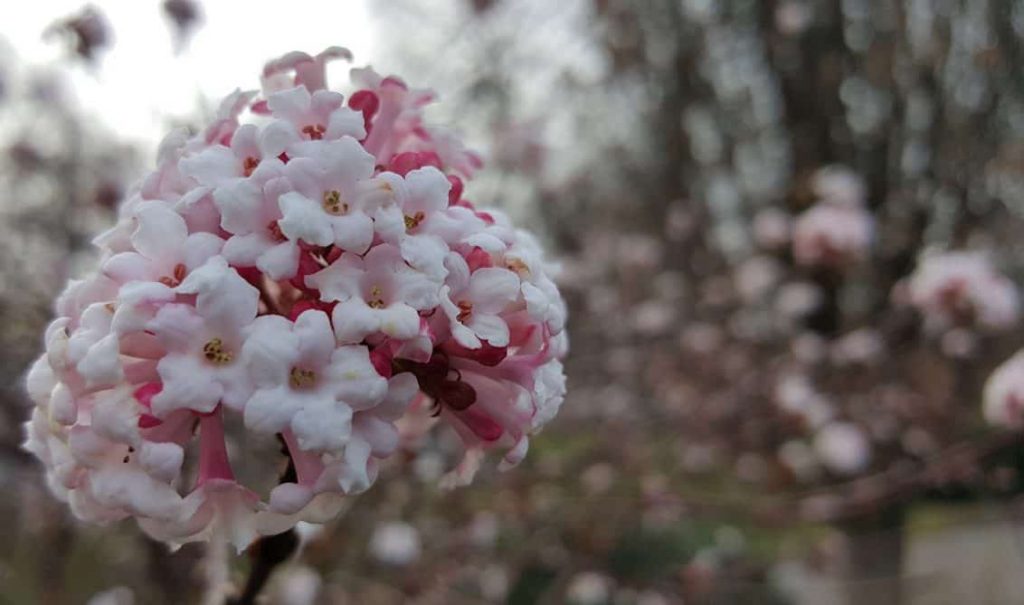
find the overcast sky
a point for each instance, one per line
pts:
(140, 83)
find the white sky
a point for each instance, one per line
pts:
(140, 83)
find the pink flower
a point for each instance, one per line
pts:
(314, 275)
(220, 165)
(327, 205)
(163, 250)
(309, 71)
(832, 235)
(302, 116)
(473, 303)
(962, 288)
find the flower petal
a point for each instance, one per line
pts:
(303, 219)
(160, 233)
(354, 321)
(323, 425)
(213, 166)
(270, 410)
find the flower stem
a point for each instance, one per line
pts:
(267, 553)
(213, 453)
(215, 567)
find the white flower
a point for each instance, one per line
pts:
(249, 211)
(419, 220)
(308, 117)
(307, 384)
(375, 293)
(473, 302)
(327, 204)
(221, 165)
(838, 184)
(203, 365)
(1003, 398)
(842, 448)
(164, 250)
(119, 595)
(589, 588)
(548, 392)
(543, 301)
(395, 543)
(94, 349)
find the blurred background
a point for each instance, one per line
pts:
(761, 408)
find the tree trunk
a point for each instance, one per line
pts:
(874, 563)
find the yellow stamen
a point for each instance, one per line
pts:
(517, 266)
(465, 310)
(332, 203)
(249, 165)
(175, 278)
(302, 379)
(216, 354)
(411, 222)
(376, 302)
(314, 131)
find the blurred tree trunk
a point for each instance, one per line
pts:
(874, 565)
(173, 577)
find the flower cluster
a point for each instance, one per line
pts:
(962, 289)
(308, 276)
(838, 229)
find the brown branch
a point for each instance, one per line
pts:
(867, 495)
(266, 554)
(269, 551)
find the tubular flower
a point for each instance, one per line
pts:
(304, 279)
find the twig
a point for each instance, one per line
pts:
(215, 566)
(266, 554)
(269, 551)
(863, 496)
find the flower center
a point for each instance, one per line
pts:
(301, 378)
(465, 310)
(215, 353)
(275, 231)
(411, 222)
(249, 165)
(332, 203)
(517, 266)
(314, 131)
(376, 302)
(175, 278)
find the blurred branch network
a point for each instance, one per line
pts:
(686, 144)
